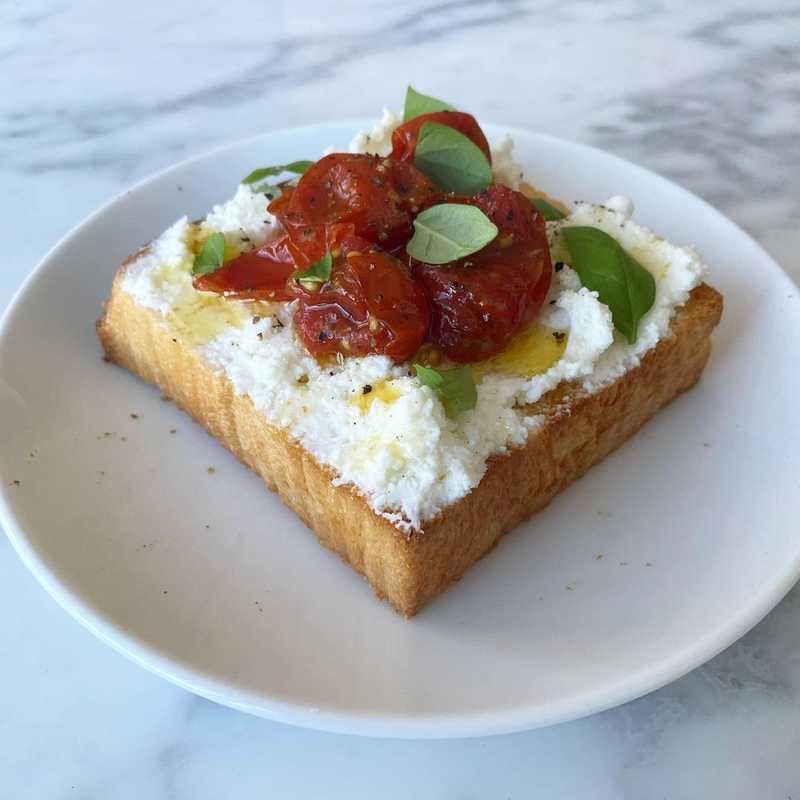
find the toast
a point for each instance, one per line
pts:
(409, 567)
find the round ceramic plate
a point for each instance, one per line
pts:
(660, 557)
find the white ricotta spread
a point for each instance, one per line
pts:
(407, 458)
(506, 170)
(677, 271)
(378, 141)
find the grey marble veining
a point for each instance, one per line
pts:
(96, 95)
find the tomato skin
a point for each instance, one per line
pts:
(476, 310)
(371, 305)
(265, 273)
(405, 138)
(378, 196)
(479, 302)
(512, 212)
(262, 274)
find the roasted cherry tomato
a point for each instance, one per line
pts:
(479, 302)
(261, 274)
(404, 139)
(512, 212)
(265, 273)
(371, 305)
(378, 196)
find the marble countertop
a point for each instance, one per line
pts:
(95, 96)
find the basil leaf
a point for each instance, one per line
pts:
(418, 104)
(212, 255)
(318, 273)
(454, 387)
(451, 160)
(449, 231)
(622, 283)
(547, 210)
(298, 167)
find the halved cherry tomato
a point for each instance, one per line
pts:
(265, 273)
(378, 196)
(479, 302)
(512, 212)
(371, 305)
(404, 139)
(261, 274)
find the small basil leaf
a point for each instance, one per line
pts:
(418, 104)
(621, 282)
(547, 210)
(318, 273)
(211, 256)
(449, 231)
(455, 388)
(451, 160)
(298, 167)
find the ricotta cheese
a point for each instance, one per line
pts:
(400, 450)
(677, 270)
(378, 141)
(506, 170)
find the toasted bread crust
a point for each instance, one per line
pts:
(410, 569)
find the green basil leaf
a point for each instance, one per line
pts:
(318, 273)
(547, 210)
(212, 255)
(449, 231)
(298, 167)
(622, 283)
(451, 160)
(454, 387)
(418, 104)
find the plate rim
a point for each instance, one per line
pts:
(380, 724)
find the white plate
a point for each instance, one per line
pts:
(209, 581)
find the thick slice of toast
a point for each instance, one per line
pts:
(410, 569)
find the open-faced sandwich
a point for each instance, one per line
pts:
(413, 348)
